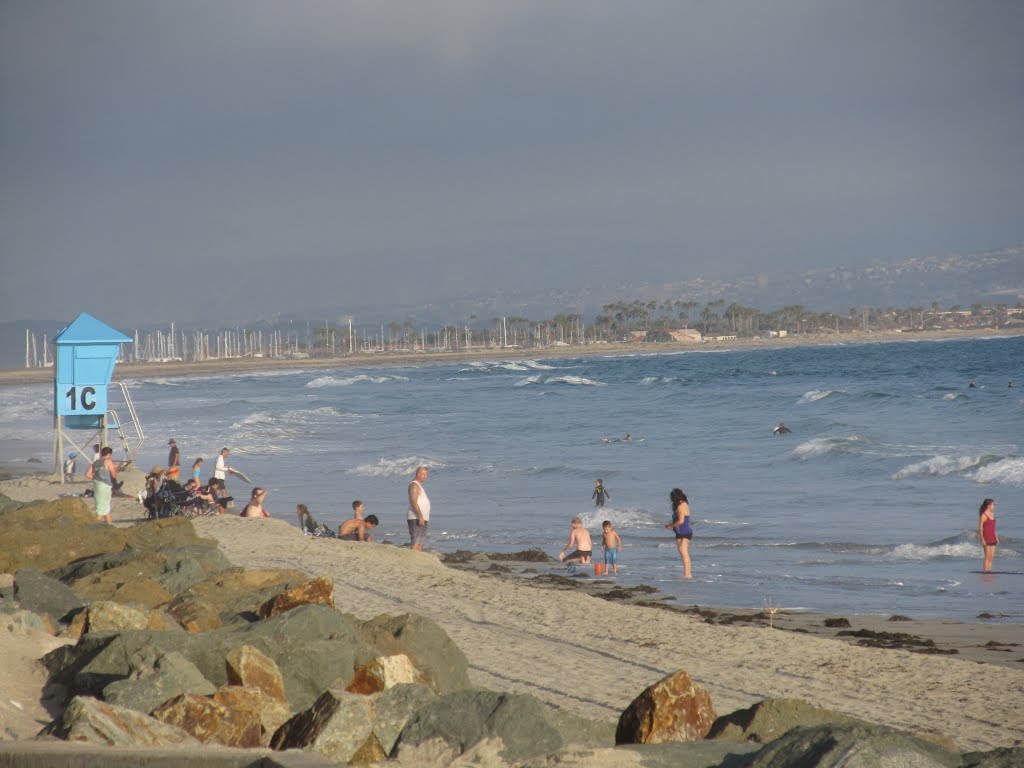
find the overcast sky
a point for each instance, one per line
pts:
(160, 160)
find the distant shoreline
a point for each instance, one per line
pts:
(384, 359)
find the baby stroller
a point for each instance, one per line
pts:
(173, 499)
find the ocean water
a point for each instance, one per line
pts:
(869, 506)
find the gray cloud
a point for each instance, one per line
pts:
(218, 157)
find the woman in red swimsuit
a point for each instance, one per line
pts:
(987, 531)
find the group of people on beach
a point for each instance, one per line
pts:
(358, 527)
(103, 473)
(611, 543)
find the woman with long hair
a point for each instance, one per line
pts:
(681, 526)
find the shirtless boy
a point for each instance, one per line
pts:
(579, 537)
(612, 544)
(357, 529)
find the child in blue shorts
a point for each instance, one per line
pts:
(612, 544)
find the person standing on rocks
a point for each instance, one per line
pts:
(103, 474)
(418, 516)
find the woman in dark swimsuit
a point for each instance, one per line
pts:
(987, 531)
(681, 526)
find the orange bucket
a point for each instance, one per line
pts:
(599, 569)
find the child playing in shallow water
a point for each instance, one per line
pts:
(611, 543)
(580, 538)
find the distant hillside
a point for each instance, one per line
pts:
(992, 277)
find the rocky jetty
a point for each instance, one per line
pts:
(172, 650)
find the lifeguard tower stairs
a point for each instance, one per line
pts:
(87, 350)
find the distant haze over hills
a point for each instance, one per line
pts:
(991, 277)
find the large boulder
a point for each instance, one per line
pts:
(251, 668)
(194, 614)
(155, 679)
(90, 566)
(1003, 757)
(384, 672)
(108, 616)
(174, 568)
(20, 622)
(318, 591)
(40, 593)
(673, 709)
(97, 722)
(134, 581)
(230, 717)
(353, 728)
(189, 564)
(860, 745)
(236, 591)
(47, 535)
(312, 645)
(339, 726)
(165, 532)
(769, 719)
(394, 707)
(443, 664)
(464, 719)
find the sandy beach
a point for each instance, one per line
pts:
(592, 656)
(252, 364)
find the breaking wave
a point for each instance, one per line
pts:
(347, 381)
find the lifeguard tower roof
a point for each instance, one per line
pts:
(86, 329)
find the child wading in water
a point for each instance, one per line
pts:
(612, 543)
(987, 531)
(600, 493)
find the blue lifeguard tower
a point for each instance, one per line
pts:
(87, 350)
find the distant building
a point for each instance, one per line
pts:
(686, 334)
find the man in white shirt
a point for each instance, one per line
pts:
(418, 515)
(221, 471)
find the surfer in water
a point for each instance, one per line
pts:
(987, 532)
(782, 429)
(600, 493)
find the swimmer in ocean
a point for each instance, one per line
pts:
(782, 429)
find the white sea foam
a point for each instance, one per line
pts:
(161, 382)
(932, 551)
(939, 466)
(1008, 471)
(539, 366)
(347, 381)
(621, 518)
(954, 396)
(817, 394)
(575, 380)
(535, 379)
(822, 446)
(400, 467)
(512, 367)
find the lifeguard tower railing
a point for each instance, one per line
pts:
(129, 432)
